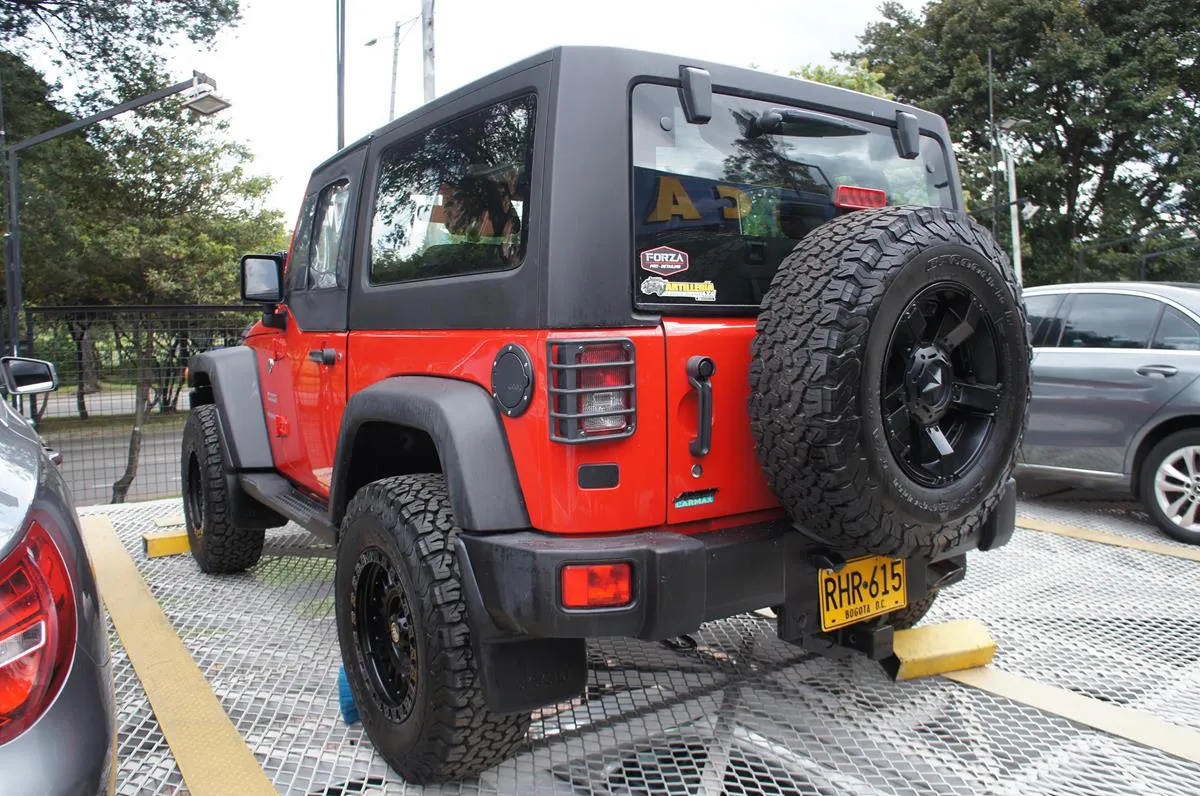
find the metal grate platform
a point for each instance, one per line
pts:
(737, 713)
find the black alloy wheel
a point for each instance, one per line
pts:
(941, 384)
(384, 634)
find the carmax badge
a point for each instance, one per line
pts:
(664, 261)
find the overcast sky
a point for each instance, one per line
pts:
(279, 66)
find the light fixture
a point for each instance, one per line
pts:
(1029, 210)
(207, 103)
(1008, 125)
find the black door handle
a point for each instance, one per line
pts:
(700, 370)
(1157, 370)
(323, 356)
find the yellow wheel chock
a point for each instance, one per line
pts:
(938, 649)
(167, 543)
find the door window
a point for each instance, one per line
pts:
(454, 200)
(1176, 332)
(1099, 320)
(1041, 312)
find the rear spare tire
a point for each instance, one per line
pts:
(890, 380)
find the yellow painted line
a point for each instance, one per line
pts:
(171, 521)
(165, 544)
(937, 649)
(213, 758)
(1123, 722)
(1108, 538)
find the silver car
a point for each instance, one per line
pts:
(57, 716)
(1116, 400)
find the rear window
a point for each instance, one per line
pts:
(718, 206)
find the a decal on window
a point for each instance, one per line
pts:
(700, 291)
(664, 261)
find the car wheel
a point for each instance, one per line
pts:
(217, 545)
(405, 637)
(1170, 485)
(890, 380)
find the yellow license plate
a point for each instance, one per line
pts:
(863, 588)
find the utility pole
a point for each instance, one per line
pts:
(992, 133)
(395, 58)
(427, 45)
(1014, 212)
(8, 276)
(341, 72)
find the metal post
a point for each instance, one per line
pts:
(994, 137)
(427, 45)
(12, 251)
(341, 72)
(1014, 210)
(395, 59)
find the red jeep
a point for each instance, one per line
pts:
(612, 343)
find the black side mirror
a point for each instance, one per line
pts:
(24, 376)
(262, 278)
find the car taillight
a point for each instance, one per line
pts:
(597, 585)
(851, 197)
(37, 630)
(592, 394)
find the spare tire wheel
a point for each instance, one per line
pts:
(890, 380)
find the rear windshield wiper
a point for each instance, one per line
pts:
(804, 124)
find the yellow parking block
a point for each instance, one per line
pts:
(171, 521)
(172, 543)
(937, 649)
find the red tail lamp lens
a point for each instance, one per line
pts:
(597, 585)
(609, 400)
(37, 630)
(850, 197)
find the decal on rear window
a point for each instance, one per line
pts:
(700, 291)
(664, 261)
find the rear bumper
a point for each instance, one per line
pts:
(680, 582)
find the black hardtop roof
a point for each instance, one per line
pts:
(629, 64)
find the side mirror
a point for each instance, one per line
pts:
(24, 376)
(262, 278)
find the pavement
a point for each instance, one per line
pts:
(94, 458)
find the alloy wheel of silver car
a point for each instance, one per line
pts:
(1177, 487)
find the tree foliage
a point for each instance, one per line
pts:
(1110, 90)
(856, 76)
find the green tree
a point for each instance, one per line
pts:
(856, 76)
(1110, 90)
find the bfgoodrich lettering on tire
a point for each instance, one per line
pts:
(890, 380)
(405, 638)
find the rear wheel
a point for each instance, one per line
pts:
(1170, 485)
(890, 380)
(216, 543)
(405, 636)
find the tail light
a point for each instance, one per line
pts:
(597, 585)
(37, 630)
(592, 395)
(851, 197)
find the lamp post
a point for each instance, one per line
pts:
(1008, 125)
(205, 102)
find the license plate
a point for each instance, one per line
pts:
(863, 588)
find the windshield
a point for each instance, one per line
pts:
(718, 206)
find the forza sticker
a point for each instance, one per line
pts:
(700, 291)
(664, 261)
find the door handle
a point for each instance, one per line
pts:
(323, 356)
(1157, 370)
(700, 370)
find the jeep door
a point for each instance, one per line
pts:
(315, 337)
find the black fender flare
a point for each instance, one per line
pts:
(232, 376)
(464, 424)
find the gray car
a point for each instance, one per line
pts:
(57, 718)
(1116, 399)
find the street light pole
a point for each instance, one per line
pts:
(340, 32)
(1014, 212)
(395, 58)
(427, 45)
(205, 102)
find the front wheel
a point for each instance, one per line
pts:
(406, 639)
(1169, 484)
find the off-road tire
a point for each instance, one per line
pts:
(217, 545)
(449, 733)
(816, 375)
(1149, 469)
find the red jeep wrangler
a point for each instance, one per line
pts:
(612, 343)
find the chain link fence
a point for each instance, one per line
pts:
(122, 399)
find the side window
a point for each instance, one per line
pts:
(297, 266)
(1098, 320)
(1045, 327)
(454, 199)
(327, 236)
(1176, 332)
